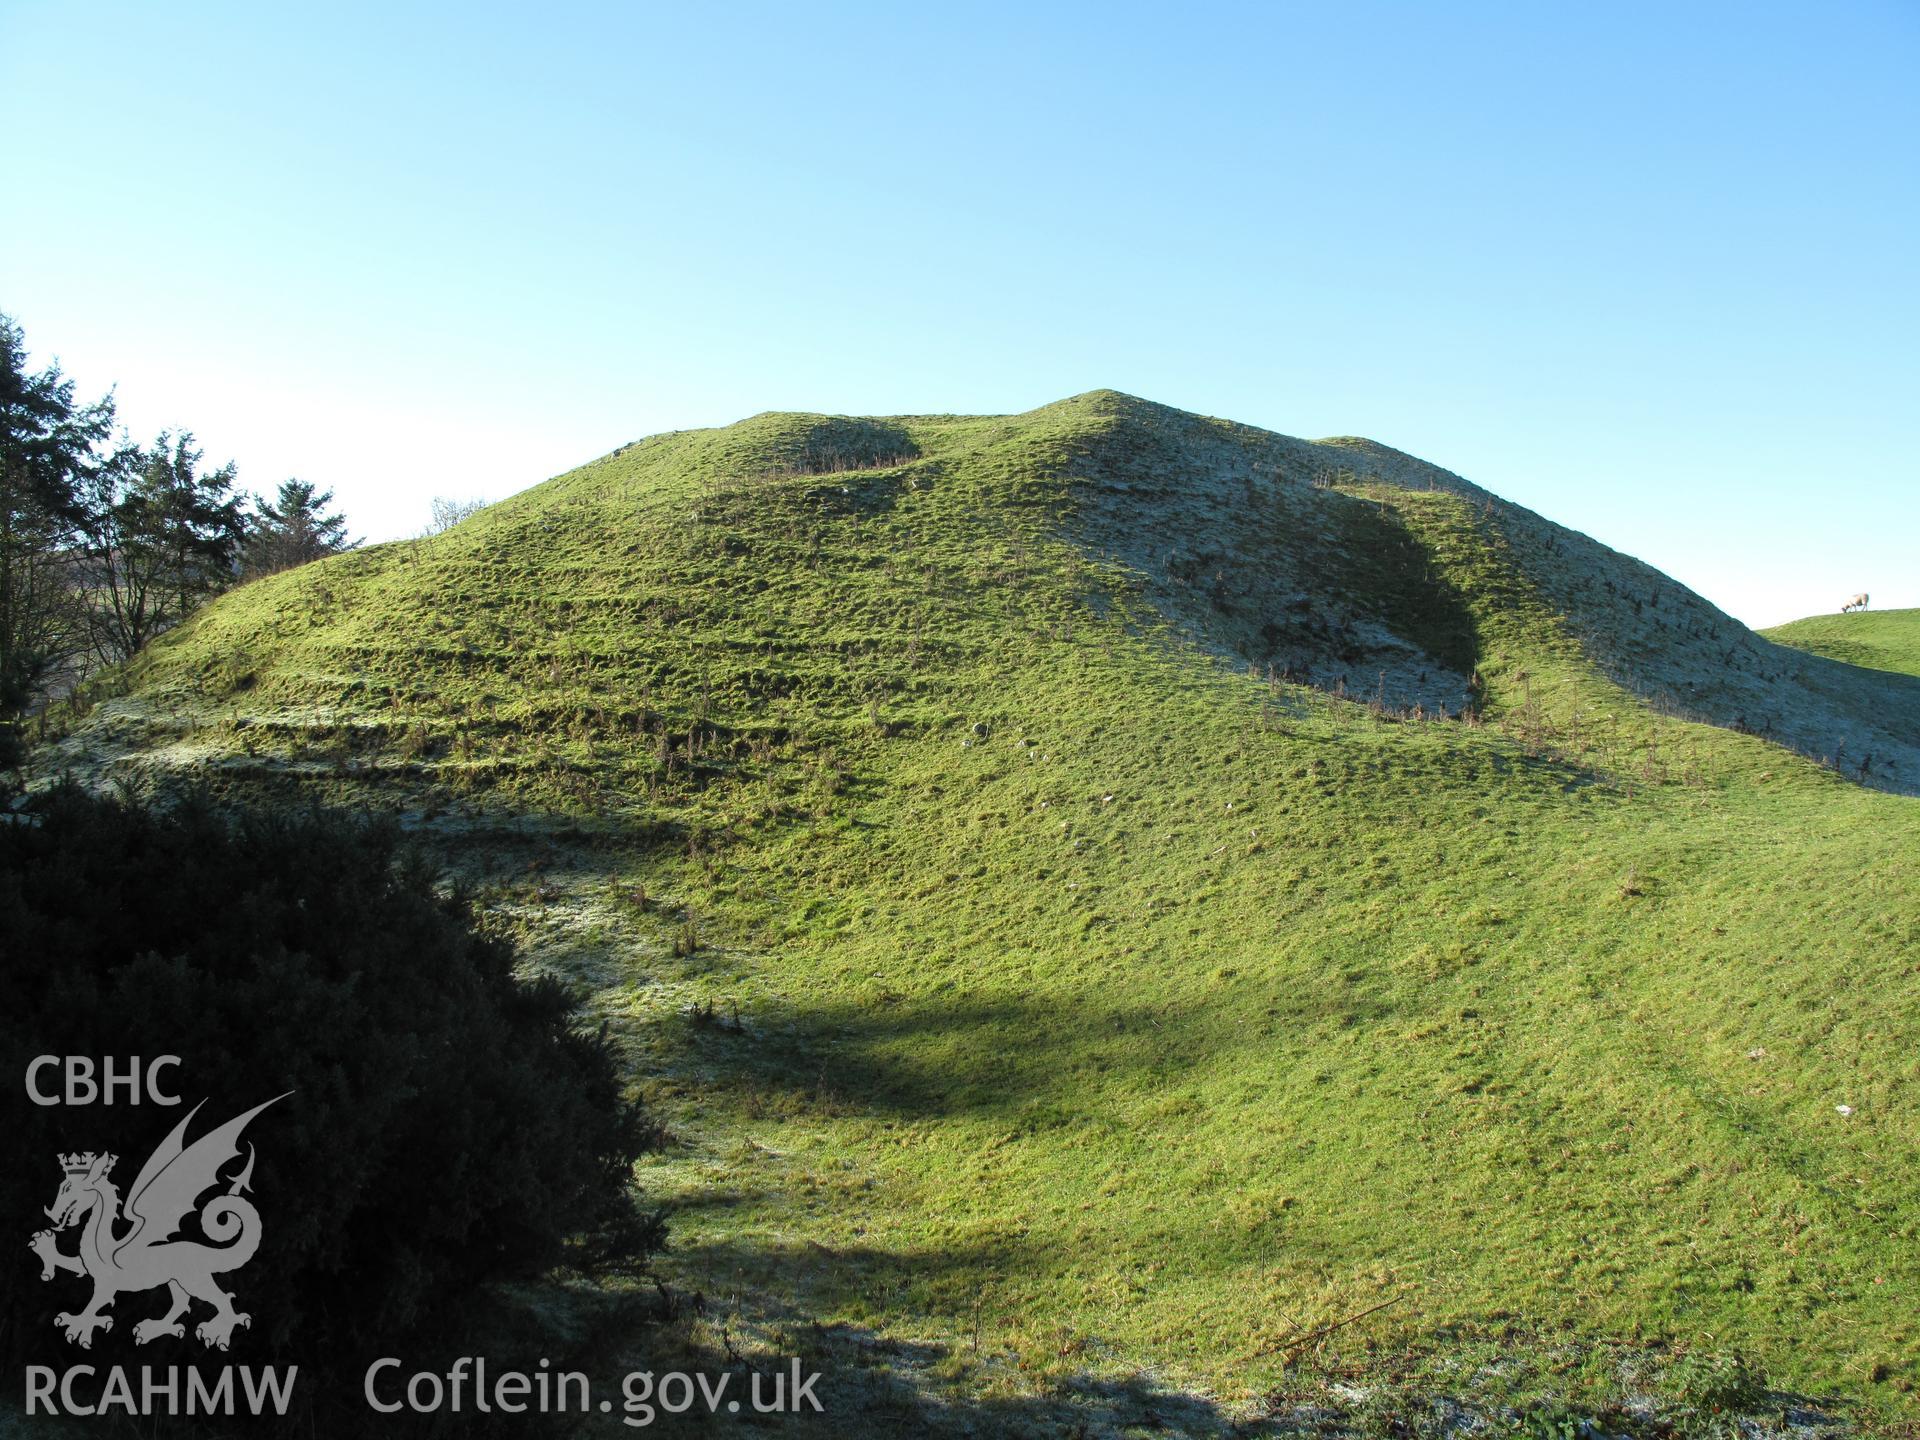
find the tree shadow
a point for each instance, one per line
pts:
(872, 1383)
(935, 1057)
(876, 1383)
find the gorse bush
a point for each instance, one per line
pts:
(448, 1125)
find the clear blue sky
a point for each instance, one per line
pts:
(1647, 268)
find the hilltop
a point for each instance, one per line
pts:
(1876, 639)
(1111, 891)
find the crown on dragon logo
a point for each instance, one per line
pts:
(81, 1163)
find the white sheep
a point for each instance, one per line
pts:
(1858, 602)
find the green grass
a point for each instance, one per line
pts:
(1877, 639)
(1105, 999)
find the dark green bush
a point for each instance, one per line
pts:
(448, 1128)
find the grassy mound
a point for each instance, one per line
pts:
(1106, 887)
(1877, 639)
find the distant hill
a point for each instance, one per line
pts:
(1876, 639)
(1107, 891)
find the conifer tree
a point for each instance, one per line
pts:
(48, 446)
(293, 528)
(163, 536)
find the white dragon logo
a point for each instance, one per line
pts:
(146, 1255)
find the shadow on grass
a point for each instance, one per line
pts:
(1011, 1058)
(875, 1384)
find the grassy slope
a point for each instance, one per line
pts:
(1878, 639)
(1185, 1005)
